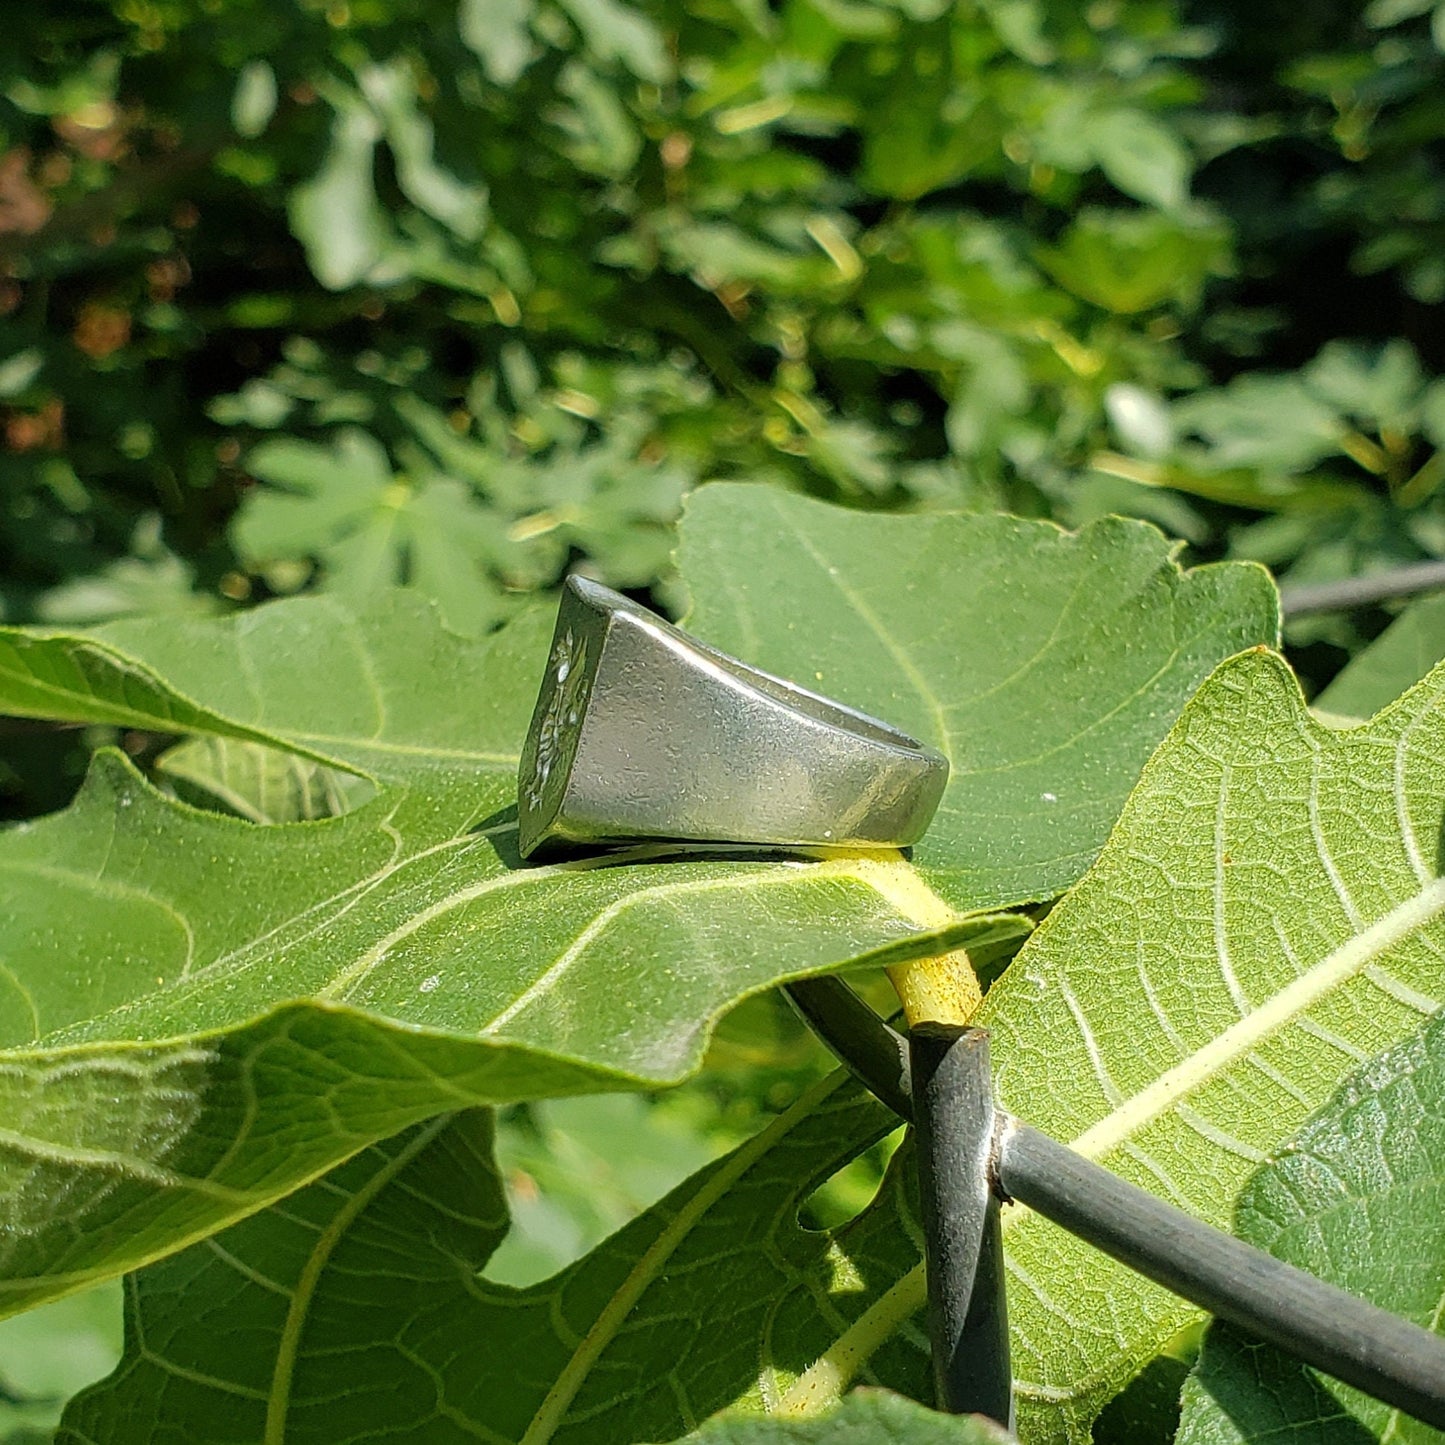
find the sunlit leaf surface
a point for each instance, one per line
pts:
(1267, 914)
(202, 1012)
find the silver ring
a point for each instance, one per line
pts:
(643, 733)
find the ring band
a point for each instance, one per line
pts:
(643, 733)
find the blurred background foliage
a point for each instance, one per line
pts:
(460, 293)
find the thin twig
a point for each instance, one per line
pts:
(1361, 591)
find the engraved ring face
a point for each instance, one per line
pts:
(558, 722)
(641, 732)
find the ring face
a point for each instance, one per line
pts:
(643, 733)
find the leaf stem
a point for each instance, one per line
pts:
(1363, 591)
(941, 989)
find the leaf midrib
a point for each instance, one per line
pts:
(942, 738)
(343, 900)
(1281, 1008)
(552, 1412)
(278, 1400)
(500, 761)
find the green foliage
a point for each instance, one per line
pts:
(1268, 911)
(526, 271)
(621, 1346)
(581, 1169)
(398, 953)
(52, 1353)
(237, 1039)
(1346, 456)
(334, 295)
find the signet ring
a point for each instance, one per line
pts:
(642, 733)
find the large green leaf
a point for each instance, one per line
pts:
(119, 1151)
(202, 1013)
(1045, 665)
(1357, 1197)
(354, 1310)
(1267, 914)
(139, 919)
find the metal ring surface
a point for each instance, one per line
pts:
(642, 732)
